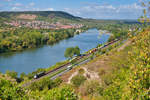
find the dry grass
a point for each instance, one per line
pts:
(104, 65)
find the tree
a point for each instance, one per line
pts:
(146, 11)
(77, 51)
(70, 52)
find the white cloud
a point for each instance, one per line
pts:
(17, 4)
(21, 7)
(15, 8)
(74, 12)
(28, 8)
(43, 9)
(131, 11)
(49, 9)
(31, 4)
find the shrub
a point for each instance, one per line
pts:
(61, 93)
(45, 83)
(131, 81)
(12, 74)
(78, 80)
(9, 91)
(92, 87)
(81, 71)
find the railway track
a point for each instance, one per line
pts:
(68, 64)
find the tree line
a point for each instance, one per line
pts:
(21, 38)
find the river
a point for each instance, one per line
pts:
(46, 56)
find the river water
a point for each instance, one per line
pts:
(46, 56)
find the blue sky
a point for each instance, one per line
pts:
(99, 9)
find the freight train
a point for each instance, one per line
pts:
(75, 58)
(38, 75)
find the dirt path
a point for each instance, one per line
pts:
(98, 66)
(88, 74)
(124, 45)
(69, 79)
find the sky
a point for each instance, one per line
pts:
(96, 9)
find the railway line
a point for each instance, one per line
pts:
(94, 50)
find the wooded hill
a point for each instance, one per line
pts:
(41, 15)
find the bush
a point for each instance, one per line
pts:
(62, 93)
(9, 91)
(45, 83)
(12, 74)
(91, 87)
(78, 80)
(81, 71)
(131, 81)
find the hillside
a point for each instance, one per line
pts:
(39, 25)
(41, 14)
(119, 72)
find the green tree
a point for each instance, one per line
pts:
(77, 51)
(70, 52)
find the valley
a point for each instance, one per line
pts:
(53, 55)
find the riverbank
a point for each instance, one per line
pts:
(45, 56)
(63, 68)
(32, 38)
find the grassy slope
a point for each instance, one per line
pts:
(124, 73)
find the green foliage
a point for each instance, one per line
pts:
(146, 11)
(52, 16)
(12, 74)
(9, 91)
(70, 52)
(140, 55)
(61, 93)
(78, 80)
(131, 80)
(22, 75)
(45, 83)
(81, 71)
(21, 38)
(91, 87)
(119, 30)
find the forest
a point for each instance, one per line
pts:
(21, 38)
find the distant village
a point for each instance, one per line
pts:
(42, 25)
